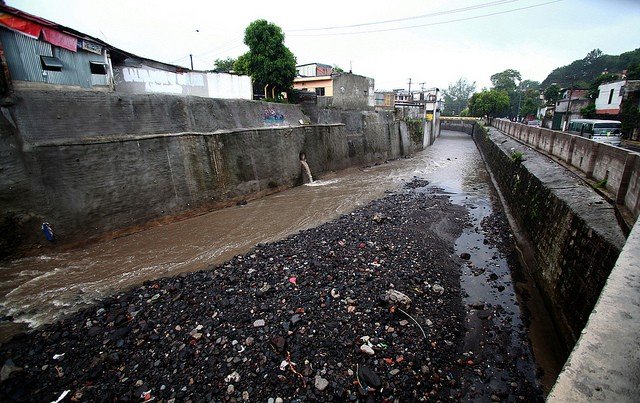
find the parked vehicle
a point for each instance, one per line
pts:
(603, 131)
(536, 123)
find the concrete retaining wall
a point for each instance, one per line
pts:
(617, 170)
(97, 164)
(573, 232)
(605, 364)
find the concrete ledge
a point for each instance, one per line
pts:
(137, 137)
(605, 363)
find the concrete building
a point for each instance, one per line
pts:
(41, 54)
(314, 77)
(385, 100)
(610, 98)
(338, 90)
(321, 85)
(568, 107)
(313, 70)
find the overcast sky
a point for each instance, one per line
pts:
(431, 42)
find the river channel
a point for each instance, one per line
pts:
(43, 288)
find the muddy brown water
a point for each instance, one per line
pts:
(41, 289)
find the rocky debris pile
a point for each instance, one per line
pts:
(365, 308)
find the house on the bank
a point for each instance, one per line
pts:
(385, 100)
(415, 104)
(611, 98)
(339, 90)
(39, 53)
(568, 107)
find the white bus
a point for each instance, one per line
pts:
(603, 131)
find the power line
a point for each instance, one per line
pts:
(457, 10)
(430, 24)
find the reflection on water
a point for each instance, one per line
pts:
(42, 288)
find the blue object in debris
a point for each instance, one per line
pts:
(48, 232)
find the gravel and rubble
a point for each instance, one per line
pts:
(365, 308)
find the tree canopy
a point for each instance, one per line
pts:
(224, 65)
(506, 80)
(552, 94)
(456, 96)
(269, 61)
(580, 73)
(492, 103)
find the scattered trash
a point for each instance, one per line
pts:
(416, 322)
(232, 377)
(146, 396)
(365, 348)
(58, 357)
(48, 232)
(62, 396)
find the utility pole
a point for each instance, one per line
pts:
(566, 126)
(191, 58)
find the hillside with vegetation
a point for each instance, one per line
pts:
(581, 73)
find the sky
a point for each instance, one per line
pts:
(433, 43)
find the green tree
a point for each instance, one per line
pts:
(552, 94)
(601, 79)
(492, 103)
(580, 73)
(629, 116)
(530, 102)
(241, 66)
(456, 97)
(506, 80)
(592, 56)
(526, 85)
(269, 62)
(224, 65)
(337, 69)
(633, 71)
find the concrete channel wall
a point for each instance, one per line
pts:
(604, 364)
(573, 232)
(617, 170)
(101, 164)
(576, 266)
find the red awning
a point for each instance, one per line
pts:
(20, 24)
(58, 38)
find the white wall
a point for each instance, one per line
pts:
(229, 86)
(602, 102)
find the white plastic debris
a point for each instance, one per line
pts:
(62, 396)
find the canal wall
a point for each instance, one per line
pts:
(573, 233)
(96, 164)
(605, 363)
(614, 169)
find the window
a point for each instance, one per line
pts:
(611, 95)
(51, 63)
(320, 91)
(98, 68)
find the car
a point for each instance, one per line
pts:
(537, 123)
